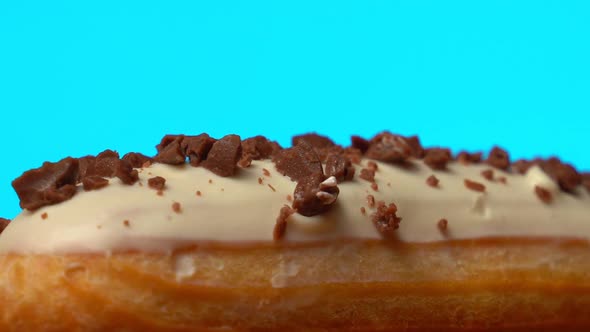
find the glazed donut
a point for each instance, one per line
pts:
(383, 235)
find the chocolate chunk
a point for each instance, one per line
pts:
(258, 148)
(298, 162)
(565, 175)
(432, 181)
(339, 167)
(126, 173)
(170, 150)
(499, 158)
(416, 146)
(84, 165)
(157, 182)
(137, 160)
(374, 186)
(473, 185)
(3, 224)
(324, 153)
(372, 166)
(367, 175)
(44, 215)
(543, 194)
(176, 207)
(281, 223)
(522, 166)
(52, 183)
(224, 156)
(442, 225)
(389, 148)
(385, 219)
(315, 140)
(196, 148)
(467, 158)
(103, 165)
(314, 194)
(94, 182)
(355, 155)
(360, 143)
(488, 174)
(437, 158)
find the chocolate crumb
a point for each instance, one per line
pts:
(289, 198)
(245, 162)
(367, 174)
(363, 210)
(389, 148)
(137, 160)
(260, 180)
(126, 223)
(210, 181)
(160, 193)
(374, 186)
(467, 158)
(502, 179)
(314, 195)
(443, 225)
(52, 183)
(199, 193)
(340, 167)
(372, 166)
(488, 174)
(176, 207)
(389, 184)
(281, 222)
(543, 194)
(371, 201)
(437, 158)
(298, 162)
(473, 185)
(499, 158)
(147, 164)
(94, 182)
(265, 172)
(385, 219)
(432, 181)
(157, 183)
(44, 215)
(271, 187)
(224, 156)
(3, 224)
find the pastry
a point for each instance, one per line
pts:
(233, 235)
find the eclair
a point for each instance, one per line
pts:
(232, 234)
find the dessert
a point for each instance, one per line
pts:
(231, 234)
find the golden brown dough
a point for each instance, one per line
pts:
(476, 285)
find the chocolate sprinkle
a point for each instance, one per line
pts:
(499, 158)
(543, 194)
(157, 183)
(432, 181)
(281, 222)
(94, 182)
(3, 224)
(314, 195)
(52, 183)
(224, 156)
(473, 185)
(437, 158)
(385, 219)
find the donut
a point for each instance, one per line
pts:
(235, 234)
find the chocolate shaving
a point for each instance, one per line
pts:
(339, 167)
(224, 156)
(437, 158)
(157, 183)
(94, 182)
(170, 150)
(314, 194)
(52, 183)
(298, 162)
(367, 175)
(432, 181)
(196, 148)
(3, 224)
(543, 194)
(385, 219)
(499, 158)
(281, 223)
(315, 140)
(488, 174)
(389, 148)
(137, 160)
(475, 186)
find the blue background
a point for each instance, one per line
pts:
(79, 77)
